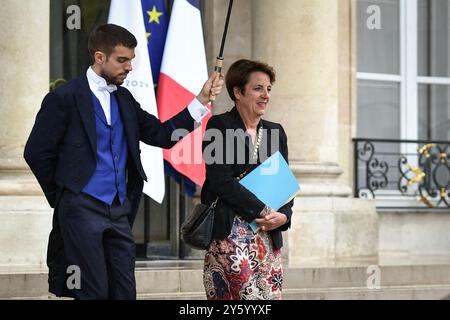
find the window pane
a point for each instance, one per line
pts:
(379, 118)
(378, 110)
(378, 49)
(433, 38)
(69, 56)
(434, 112)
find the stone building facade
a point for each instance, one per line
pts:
(312, 46)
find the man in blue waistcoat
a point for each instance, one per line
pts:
(84, 152)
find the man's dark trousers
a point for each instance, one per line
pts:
(98, 240)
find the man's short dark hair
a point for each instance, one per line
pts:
(106, 37)
(239, 73)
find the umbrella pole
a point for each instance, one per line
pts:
(219, 60)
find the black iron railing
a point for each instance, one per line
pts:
(403, 173)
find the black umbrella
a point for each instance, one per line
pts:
(219, 60)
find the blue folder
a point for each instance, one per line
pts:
(272, 182)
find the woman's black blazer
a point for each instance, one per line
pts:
(231, 153)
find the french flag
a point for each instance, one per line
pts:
(183, 73)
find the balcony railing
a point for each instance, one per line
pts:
(403, 173)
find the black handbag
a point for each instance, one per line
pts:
(197, 229)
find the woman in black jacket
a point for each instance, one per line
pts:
(242, 263)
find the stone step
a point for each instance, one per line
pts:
(385, 293)
(433, 292)
(396, 282)
(426, 292)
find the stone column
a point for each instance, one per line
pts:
(25, 56)
(238, 42)
(24, 52)
(301, 40)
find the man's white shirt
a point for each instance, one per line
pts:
(101, 90)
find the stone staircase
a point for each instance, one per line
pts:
(183, 280)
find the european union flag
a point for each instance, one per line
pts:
(156, 22)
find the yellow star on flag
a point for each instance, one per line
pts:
(154, 15)
(147, 35)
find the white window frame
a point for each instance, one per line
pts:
(409, 81)
(408, 71)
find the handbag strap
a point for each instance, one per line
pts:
(214, 204)
(255, 153)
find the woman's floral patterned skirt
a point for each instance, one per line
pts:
(243, 266)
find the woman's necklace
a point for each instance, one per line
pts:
(258, 141)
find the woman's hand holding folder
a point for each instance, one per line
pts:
(272, 221)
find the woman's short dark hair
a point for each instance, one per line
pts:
(239, 73)
(106, 37)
